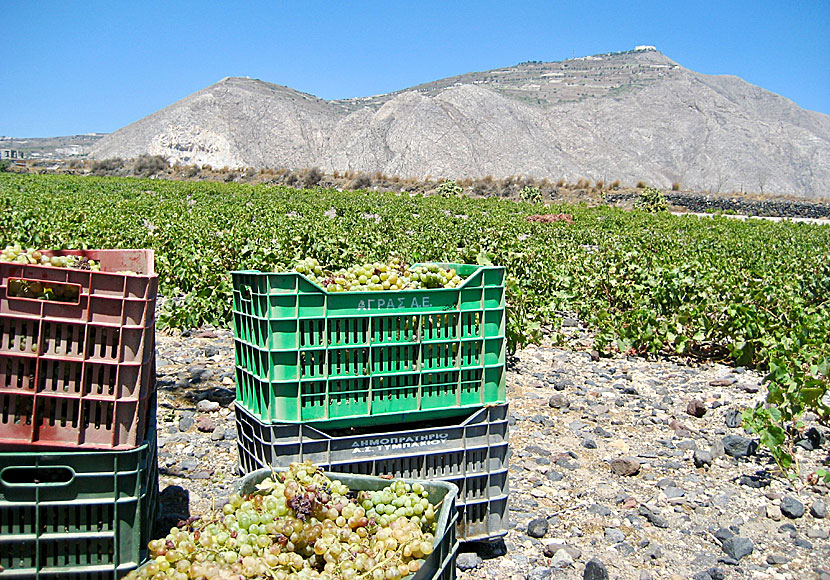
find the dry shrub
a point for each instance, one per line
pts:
(549, 218)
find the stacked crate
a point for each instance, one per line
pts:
(78, 469)
(325, 375)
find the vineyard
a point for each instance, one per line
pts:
(754, 293)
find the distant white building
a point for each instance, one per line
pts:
(644, 48)
(11, 154)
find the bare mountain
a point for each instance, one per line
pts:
(632, 116)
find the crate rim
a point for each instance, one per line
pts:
(478, 268)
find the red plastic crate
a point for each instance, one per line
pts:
(79, 374)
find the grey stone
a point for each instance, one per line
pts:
(559, 401)
(723, 534)
(737, 547)
(674, 492)
(614, 536)
(737, 446)
(595, 570)
(599, 510)
(537, 528)
(818, 534)
(702, 458)
(539, 573)
(818, 509)
(561, 559)
(732, 418)
(625, 466)
(786, 529)
(218, 434)
(467, 561)
(553, 476)
(776, 559)
(589, 443)
(655, 518)
(802, 543)
(792, 508)
(185, 423)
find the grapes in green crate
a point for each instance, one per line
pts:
(301, 525)
(393, 275)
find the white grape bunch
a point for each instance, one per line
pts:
(393, 275)
(301, 525)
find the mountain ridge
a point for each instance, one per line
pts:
(635, 115)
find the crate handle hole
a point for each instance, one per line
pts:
(46, 476)
(246, 293)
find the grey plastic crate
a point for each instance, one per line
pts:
(470, 451)
(440, 565)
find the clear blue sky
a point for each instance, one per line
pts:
(88, 66)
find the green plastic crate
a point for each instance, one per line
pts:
(82, 514)
(304, 355)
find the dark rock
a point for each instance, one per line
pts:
(599, 510)
(702, 575)
(595, 570)
(565, 463)
(630, 391)
(537, 528)
(588, 443)
(802, 543)
(558, 401)
(728, 561)
(786, 529)
(536, 450)
(811, 440)
(702, 458)
(185, 423)
(792, 508)
(775, 559)
(211, 351)
(467, 561)
(818, 509)
(598, 430)
(655, 518)
(625, 466)
(737, 446)
(737, 547)
(723, 534)
(696, 408)
(614, 536)
(716, 573)
(221, 395)
(554, 476)
(756, 481)
(732, 418)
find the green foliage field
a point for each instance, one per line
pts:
(755, 293)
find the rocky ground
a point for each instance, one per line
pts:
(620, 468)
